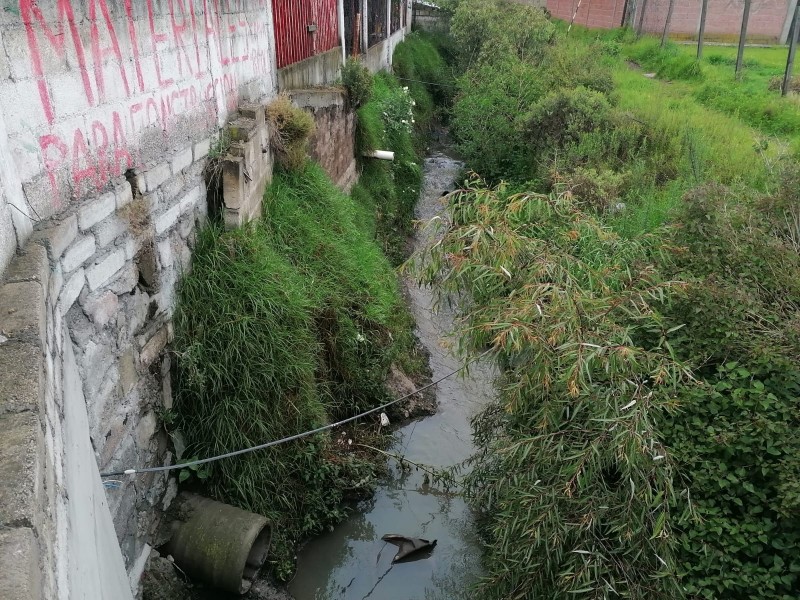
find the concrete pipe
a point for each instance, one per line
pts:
(219, 544)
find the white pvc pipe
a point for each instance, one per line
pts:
(381, 154)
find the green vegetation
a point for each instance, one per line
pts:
(357, 80)
(281, 327)
(391, 189)
(637, 276)
(294, 321)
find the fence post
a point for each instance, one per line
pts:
(793, 34)
(667, 22)
(641, 19)
(364, 25)
(340, 11)
(703, 15)
(629, 13)
(742, 38)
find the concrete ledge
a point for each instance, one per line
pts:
(322, 69)
(21, 377)
(318, 98)
(20, 572)
(20, 466)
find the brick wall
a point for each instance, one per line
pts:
(767, 18)
(724, 20)
(603, 14)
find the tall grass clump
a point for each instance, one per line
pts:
(389, 189)
(573, 485)
(290, 128)
(280, 327)
(419, 65)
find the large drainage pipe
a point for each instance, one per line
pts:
(219, 544)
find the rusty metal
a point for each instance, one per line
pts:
(376, 22)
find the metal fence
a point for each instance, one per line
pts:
(304, 28)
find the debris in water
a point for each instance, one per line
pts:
(384, 419)
(408, 546)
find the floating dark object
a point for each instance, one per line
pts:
(408, 546)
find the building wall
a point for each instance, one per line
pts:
(89, 89)
(108, 113)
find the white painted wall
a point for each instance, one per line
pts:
(89, 89)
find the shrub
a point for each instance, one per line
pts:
(734, 436)
(488, 30)
(572, 484)
(291, 127)
(488, 116)
(357, 80)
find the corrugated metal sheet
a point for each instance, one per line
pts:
(293, 18)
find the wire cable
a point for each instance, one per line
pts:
(425, 82)
(297, 436)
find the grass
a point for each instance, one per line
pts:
(712, 82)
(732, 132)
(282, 326)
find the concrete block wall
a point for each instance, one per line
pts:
(108, 112)
(90, 89)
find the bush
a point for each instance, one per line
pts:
(572, 484)
(734, 438)
(290, 127)
(489, 30)
(357, 80)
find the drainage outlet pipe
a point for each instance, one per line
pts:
(219, 544)
(381, 154)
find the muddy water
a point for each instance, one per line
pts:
(352, 562)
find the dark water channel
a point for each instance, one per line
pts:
(352, 562)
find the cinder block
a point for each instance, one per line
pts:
(78, 253)
(97, 210)
(182, 160)
(105, 269)
(20, 571)
(71, 291)
(22, 312)
(153, 347)
(156, 176)
(31, 265)
(123, 194)
(59, 236)
(202, 148)
(20, 465)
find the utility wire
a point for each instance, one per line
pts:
(297, 436)
(425, 82)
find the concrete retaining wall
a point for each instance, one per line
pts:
(333, 142)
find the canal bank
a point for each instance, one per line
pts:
(352, 561)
